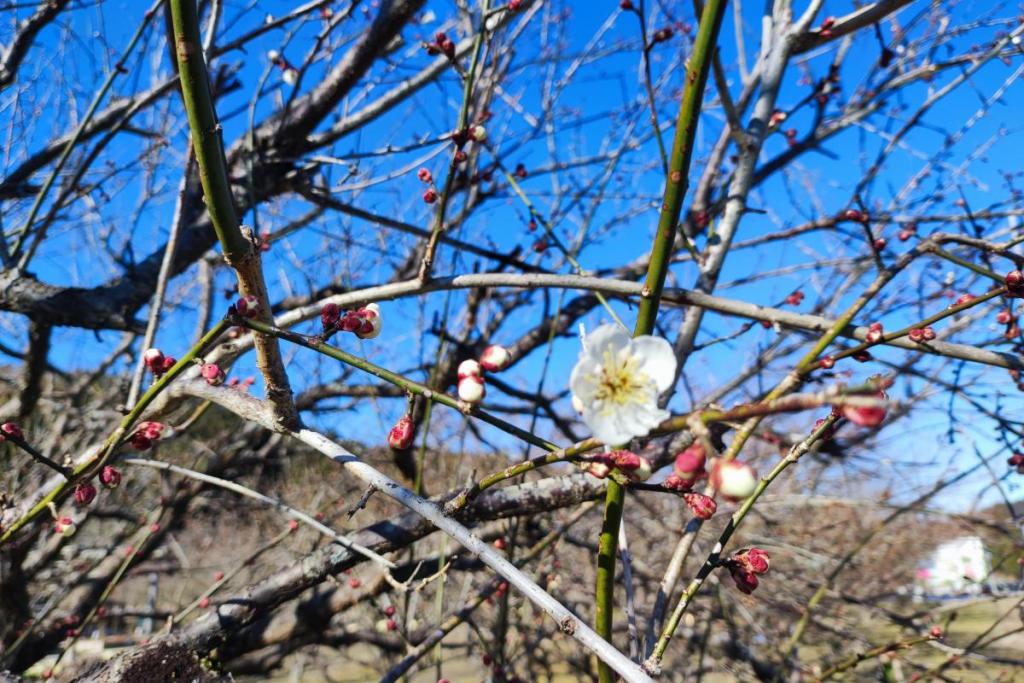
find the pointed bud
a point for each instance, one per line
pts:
(212, 373)
(401, 435)
(471, 389)
(702, 507)
(495, 358)
(733, 479)
(110, 477)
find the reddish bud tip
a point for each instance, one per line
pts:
(430, 195)
(827, 363)
(702, 507)
(495, 358)
(212, 373)
(401, 435)
(424, 175)
(84, 494)
(248, 306)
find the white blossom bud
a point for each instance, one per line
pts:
(495, 358)
(471, 389)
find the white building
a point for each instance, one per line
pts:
(958, 566)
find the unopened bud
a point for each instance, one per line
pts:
(471, 389)
(330, 315)
(702, 507)
(865, 416)
(84, 494)
(689, 465)
(469, 367)
(733, 479)
(401, 435)
(495, 358)
(372, 322)
(12, 430)
(110, 477)
(154, 361)
(212, 373)
(248, 306)
(64, 526)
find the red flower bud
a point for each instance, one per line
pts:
(1004, 316)
(880, 243)
(500, 543)
(169, 362)
(702, 507)
(676, 483)
(389, 611)
(745, 581)
(626, 5)
(855, 215)
(754, 560)
(401, 435)
(862, 356)
(12, 430)
(424, 175)
(248, 306)
(391, 624)
(84, 494)
(430, 195)
(916, 335)
(875, 333)
(330, 315)
(827, 363)
(110, 477)
(1014, 283)
(520, 171)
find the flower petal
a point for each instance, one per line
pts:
(657, 360)
(604, 338)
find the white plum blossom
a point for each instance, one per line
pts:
(617, 380)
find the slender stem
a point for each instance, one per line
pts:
(861, 657)
(239, 250)
(676, 185)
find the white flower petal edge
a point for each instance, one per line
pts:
(616, 382)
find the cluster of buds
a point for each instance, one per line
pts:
(1017, 462)
(212, 373)
(85, 493)
(795, 299)
(430, 194)
(401, 435)
(627, 464)
(289, 74)
(875, 333)
(442, 45)
(921, 334)
(1014, 283)
(734, 480)
(146, 434)
(865, 416)
(156, 362)
(745, 566)
(365, 322)
(471, 388)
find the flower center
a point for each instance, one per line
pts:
(621, 381)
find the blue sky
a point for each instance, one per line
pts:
(593, 110)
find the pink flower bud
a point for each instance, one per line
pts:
(391, 624)
(880, 243)
(154, 361)
(110, 477)
(84, 494)
(401, 435)
(827, 363)
(169, 363)
(425, 175)
(875, 333)
(734, 480)
(904, 235)
(213, 375)
(204, 602)
(855, 215)
(635, 467)
(495, 358)
(354, 582)
(12, 430)
(430, 195)
(371, 322)
(689, 465)
(64, 526)
(389, 611)
(469, 367)
(916, 335)
(471, 389)
(1004, 316)
(964, 298)
(754, 560)
(865, 416)
(702, 507)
